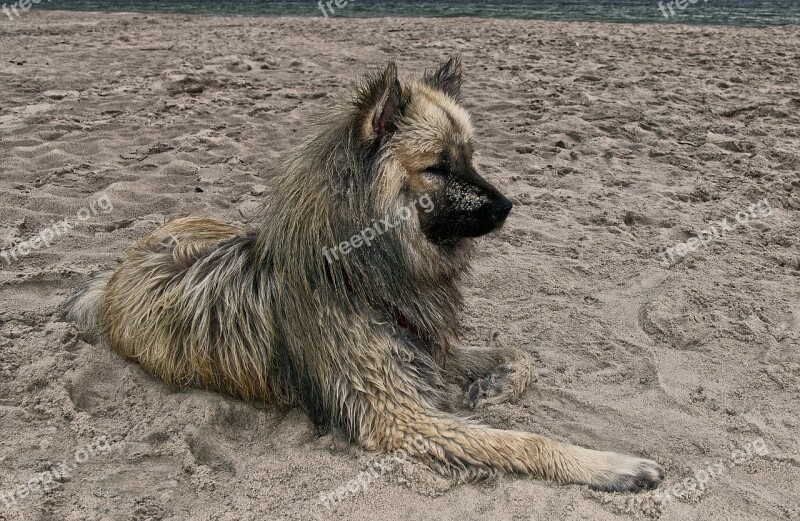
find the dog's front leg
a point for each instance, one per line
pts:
(386, 405)
(489, 375)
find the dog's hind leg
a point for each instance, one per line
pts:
(489, 375)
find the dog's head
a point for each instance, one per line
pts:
(424, 140)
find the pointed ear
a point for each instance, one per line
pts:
(447, 78)
(381, 102)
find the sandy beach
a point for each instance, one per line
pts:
(650, 266)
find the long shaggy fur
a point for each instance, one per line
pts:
(366, 343)
(83, 306)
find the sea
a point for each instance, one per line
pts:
(709, 12)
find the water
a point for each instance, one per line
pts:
(722, 12)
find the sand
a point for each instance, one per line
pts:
(614, 141)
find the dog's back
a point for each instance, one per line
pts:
(159, 309)
(167, 253)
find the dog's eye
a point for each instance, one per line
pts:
(436, 170)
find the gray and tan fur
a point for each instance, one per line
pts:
(366, 343)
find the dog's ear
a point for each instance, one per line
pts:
(381, 103)
(447, 78)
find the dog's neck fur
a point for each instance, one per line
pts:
(401, 275)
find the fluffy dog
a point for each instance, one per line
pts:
(364, 340)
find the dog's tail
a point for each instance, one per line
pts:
(468, 451)
(83, 306)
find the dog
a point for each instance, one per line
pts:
(364, 341)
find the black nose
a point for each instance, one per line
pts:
(501, 208)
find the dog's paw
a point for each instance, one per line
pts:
(620, 473)
(495, 388)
